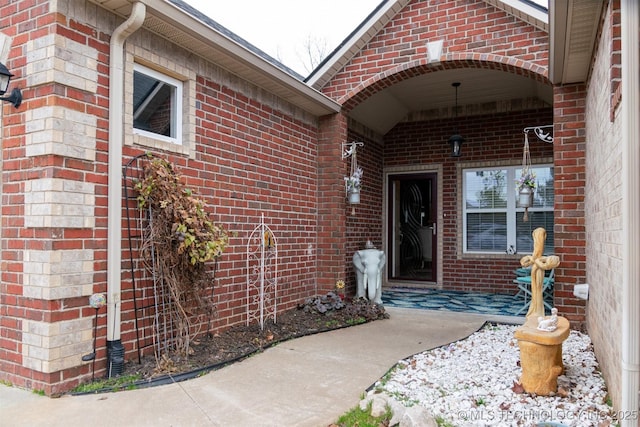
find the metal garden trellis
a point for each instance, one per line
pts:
(154, 324)
(262, 274)
(154, 319)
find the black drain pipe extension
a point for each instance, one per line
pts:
(115, 358)
(115, 350)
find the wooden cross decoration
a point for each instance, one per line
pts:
(539, 264)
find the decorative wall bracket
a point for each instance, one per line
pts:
(349, 148)
(544, 133)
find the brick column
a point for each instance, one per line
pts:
(331, 202)
(569, 163)
(51, 234)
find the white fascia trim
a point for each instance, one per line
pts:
(559, 12)
(347, 45)
(529, 10)
(200, 30)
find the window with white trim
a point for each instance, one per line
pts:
(492, 220)
(157, 105)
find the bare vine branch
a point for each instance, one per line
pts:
(179, 243)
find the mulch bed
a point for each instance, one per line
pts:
(214, 351)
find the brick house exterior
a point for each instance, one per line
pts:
(55, 186)
(256, 138)
(603, 98)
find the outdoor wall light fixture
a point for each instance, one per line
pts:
(456, 140)
(5, 77)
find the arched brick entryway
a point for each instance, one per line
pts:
(572, 255)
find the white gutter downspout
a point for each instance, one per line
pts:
(630, 401)
(116, 134)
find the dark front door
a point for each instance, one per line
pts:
(412, 227)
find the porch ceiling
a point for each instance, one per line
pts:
(431, 95)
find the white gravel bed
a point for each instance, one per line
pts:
(474, 382)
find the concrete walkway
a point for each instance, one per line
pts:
(308, 381)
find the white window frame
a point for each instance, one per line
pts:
(511, 209)
(176, 107)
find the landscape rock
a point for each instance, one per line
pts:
(417, 416)
(475, 382)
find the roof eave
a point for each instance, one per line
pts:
(558, 12)
(354, 43)
(205, 41)
(524, 10)
(572, 38)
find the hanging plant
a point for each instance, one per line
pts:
(179, 243)
(526, 184)
(526, 181)
(187, 227)
(354, 182)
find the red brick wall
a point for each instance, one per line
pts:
(496, 137)
(250, 159)
(364, 220)
(615, 69)
(570, 234)
(331, 200)
(469, 28)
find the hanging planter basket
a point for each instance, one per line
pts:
(527, 181)
(525, 197)
(354, 196)
(353, 182)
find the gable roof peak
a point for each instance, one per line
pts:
(525, 10)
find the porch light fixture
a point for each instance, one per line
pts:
(5, 77)
(456, 140)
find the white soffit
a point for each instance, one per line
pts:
(574, 28)
(524, 11)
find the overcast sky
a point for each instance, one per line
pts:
(281, 27)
